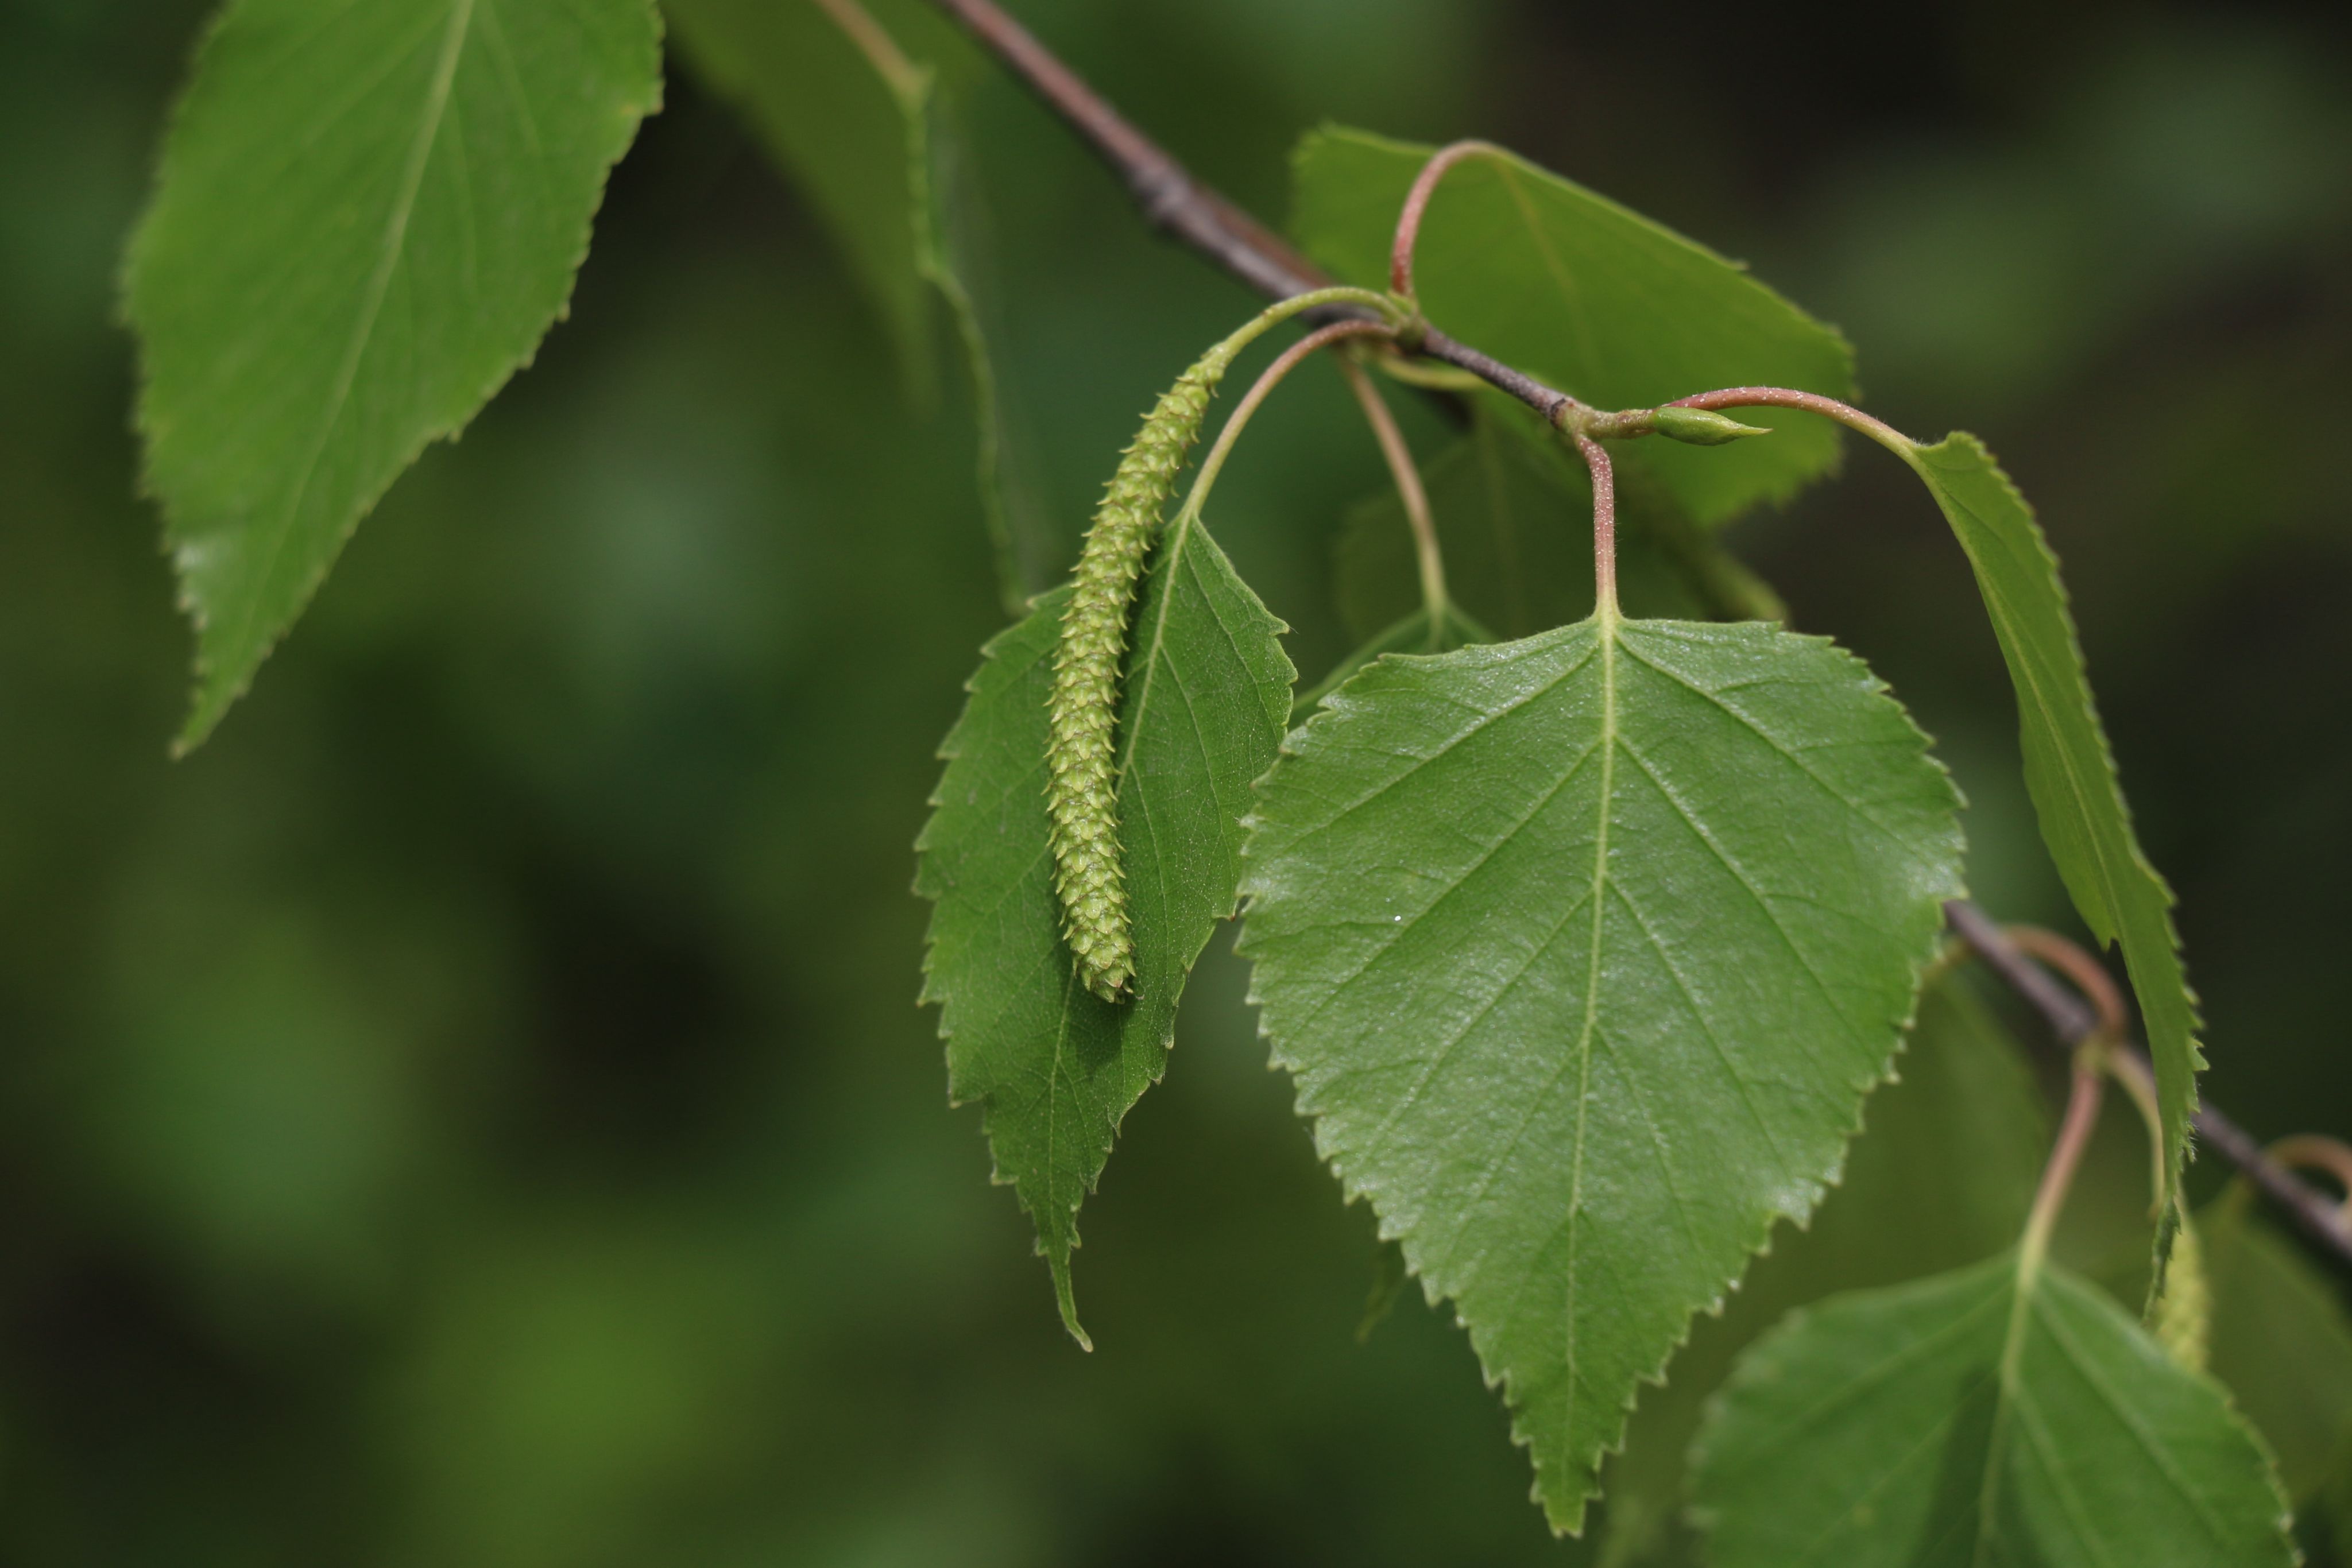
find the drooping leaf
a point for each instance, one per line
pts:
(1941, 1176)
(1053, 1067)
(2282, 1344)
(1990, 1415)
(1605, 304)
(2069, 770)
(1584, 951)
(1514, 516)
(849, 99)
(367, 217)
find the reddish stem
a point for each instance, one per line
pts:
(1417, 204)
(1878, 430)
(2313, 1152)
(2090, 977)
(1605, 523)
(2088, 1087)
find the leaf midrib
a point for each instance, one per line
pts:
(1606, 614)
(396, 240)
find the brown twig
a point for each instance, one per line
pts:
(1184, 207)
(1177, 202)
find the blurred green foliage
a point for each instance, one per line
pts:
(474, 1112)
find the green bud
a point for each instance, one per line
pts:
(1699, 427)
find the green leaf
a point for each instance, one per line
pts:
(1514, 516)
(1567, 285)
(865, 130)
(1412, 634)
(1584, 951)
(1053, 1067)
(2069, 770)
(2282, 1344)
(1941, 1176)
(1992, 1416)
(368, 215)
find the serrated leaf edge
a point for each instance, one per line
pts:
(204, 716)
(1353, 1188)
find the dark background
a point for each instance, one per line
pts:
(474, 1113)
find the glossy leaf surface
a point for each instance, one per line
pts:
(367, 217)
(1584, 951)
(1053, 1067)
(1974, 1418)
(1567, 285)
(2069, 770)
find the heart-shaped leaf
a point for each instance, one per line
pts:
(1584, 951)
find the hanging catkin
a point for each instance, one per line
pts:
(1082, 784)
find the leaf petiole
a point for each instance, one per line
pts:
(1604, 526)
(1412, 495)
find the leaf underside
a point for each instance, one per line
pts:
(1879, 1431)
(1608, 306)
(1584, 951)
(367, 217)
(2069, 770)
(1053, 1067)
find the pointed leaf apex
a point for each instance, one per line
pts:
(1066, 1298)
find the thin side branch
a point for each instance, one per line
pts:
(1193, 212)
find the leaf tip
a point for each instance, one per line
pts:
(1067, 1300)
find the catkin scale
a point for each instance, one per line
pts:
(1081, 782)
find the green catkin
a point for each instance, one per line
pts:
(1081, 765)
(1081, 786)
(2184, 1313)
